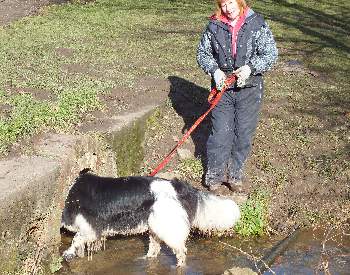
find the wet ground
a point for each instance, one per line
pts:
(311, 252)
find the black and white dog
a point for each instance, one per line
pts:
(97, 207)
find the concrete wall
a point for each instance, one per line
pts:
(33, 188)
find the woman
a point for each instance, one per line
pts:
(236, 40)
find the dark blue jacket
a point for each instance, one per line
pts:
(256, 48)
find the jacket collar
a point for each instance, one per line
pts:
(223, 22)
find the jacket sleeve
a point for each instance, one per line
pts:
(266, 51)
(205, 56)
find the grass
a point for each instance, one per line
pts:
(314, 32)
(29, 115)
(85, 49)
(254, 215)
(191, 168)
(153, 121)
(108, 41)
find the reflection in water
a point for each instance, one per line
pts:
(125, 255)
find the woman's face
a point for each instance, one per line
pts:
(230, 9)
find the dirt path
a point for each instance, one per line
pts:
(12, 10)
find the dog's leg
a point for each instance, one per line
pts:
(77, 247)
(180, 253)
(173, 228)
(154, 245)
(84, 234)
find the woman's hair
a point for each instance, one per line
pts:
(241, 4)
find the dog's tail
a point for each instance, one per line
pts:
(215, 213)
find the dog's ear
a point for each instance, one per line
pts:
(85, 170)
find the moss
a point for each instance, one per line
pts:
(56, 265)
(128, 147)
(10, 253)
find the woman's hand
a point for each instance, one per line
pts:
(242, 74)
(219, 78)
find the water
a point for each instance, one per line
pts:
(124, 255)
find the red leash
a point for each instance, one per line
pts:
(213, 99)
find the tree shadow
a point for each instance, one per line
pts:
(190, 102)
(324, 30)
(329, 28)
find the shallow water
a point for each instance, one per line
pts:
(123, 255)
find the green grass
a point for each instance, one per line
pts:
(29, 115)
(254, 215)
(109, 44)
(314, 32)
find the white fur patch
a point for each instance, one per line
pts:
(168, 219)
(85, 228)
(163, 188)
(70, 228)
(215, 213)
(85, 234)
(140, 228)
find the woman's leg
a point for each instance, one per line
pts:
(219, 143)
(247, 107)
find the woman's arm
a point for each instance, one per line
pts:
(205, 57)
(266, 51)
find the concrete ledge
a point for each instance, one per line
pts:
(33, 189)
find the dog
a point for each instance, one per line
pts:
(98, 207)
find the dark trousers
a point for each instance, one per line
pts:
(234, 122)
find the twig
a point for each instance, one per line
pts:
(251, 257)
(323, 259)
(278, 249)
(331, 234)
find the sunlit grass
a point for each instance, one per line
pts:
(75, 49)
(191, 169)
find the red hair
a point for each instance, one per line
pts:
(241, 4)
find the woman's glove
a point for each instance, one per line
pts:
(242, 74)
(219, 78)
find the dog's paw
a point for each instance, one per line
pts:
(68, 256)
(151, 254)
(180, 269)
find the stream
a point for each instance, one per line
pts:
(303, 255)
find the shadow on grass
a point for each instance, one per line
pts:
(318, 34)
(322, 37)
(190, 102)
(328, 28)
